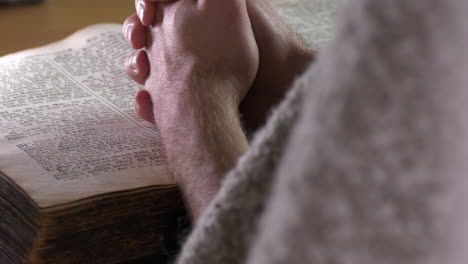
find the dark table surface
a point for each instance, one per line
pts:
(32, 25)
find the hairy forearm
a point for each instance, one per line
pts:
(203, 140)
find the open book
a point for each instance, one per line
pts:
(82, 178)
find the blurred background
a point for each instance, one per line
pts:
(29, 25)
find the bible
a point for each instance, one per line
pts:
(82, 178)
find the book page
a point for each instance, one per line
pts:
(68, 129)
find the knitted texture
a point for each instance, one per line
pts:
(374, 171)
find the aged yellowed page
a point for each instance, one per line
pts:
(68, 129)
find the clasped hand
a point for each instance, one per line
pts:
(201, 64)
(189, 43)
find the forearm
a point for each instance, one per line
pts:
(203, 139)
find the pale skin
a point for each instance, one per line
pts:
(203, 61)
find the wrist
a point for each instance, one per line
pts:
(196, 85)
(199, 126)
(193, 102)
(203, 140)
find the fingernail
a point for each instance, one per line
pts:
(128, 31)
(133, 63)
(141, 9)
